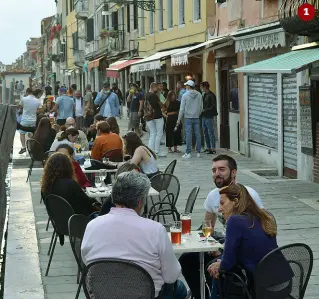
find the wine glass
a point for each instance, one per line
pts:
(207, 229)
(98, 181)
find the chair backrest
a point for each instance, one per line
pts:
(118, 279)
(168, 186)
(77, 225)
(171, 167)
(191, 200)
(165, 215)
(284, 272)
(59, 211)
(35, 150)
(114, 155)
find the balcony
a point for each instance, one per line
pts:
(111, 41)
(82, 9)
(289, 20)
(79, 57)
(91, 48)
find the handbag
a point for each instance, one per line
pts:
(98, 107)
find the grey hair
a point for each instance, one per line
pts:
(130, 188)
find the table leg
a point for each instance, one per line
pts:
(202, 275)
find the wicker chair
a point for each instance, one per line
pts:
(118, 279)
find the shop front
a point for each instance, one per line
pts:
(279, 122)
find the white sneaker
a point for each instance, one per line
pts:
(186, 156)
(198, 155)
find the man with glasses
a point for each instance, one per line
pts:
(224, 171)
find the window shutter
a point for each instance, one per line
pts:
(128, 18)
(90, 30)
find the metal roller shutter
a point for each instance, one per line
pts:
(263, 107)
(289, 98)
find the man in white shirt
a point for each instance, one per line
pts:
(224, 171)
(123, 234)
(30, 105)
(79, 109)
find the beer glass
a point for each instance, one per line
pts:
(186, 220)
(98, 181)
(176, 232)
(207, 229)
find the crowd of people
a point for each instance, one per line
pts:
(91, 122)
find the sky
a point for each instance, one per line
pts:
(20, 20)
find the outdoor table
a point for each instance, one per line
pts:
(98, 170)
(83, 153)
(105, 191)
(193, 243)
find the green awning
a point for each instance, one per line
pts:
(51, 76)
(288, 63)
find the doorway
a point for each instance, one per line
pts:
(224, 108)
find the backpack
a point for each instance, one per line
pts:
(149, 112)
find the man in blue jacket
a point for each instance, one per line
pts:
(109, 100)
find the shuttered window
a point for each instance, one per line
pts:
(142, 27)
(151, 22)
(181, 12)
(90, 30)
(169, 13)
(115, 20)
(160, 15)
(128, 18)
(75, 41)
(197, 7)
(263, 109)
(135, 17)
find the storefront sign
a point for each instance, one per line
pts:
(262, 41)
(306, 120)
(146, 66)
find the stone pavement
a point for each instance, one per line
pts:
(293, 203)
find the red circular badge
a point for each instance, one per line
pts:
(306, 12)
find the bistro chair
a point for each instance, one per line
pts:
(59, 211)
(168, 187)
(165, 215)
(282, 273)
(191, 200)
(77, 225)
(171, 167)
(118, 279)
(36, 153)
(114, 155)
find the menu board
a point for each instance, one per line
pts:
(306, 120)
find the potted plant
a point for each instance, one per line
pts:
(114, 33)
(103, 33)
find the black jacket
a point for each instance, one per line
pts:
(209, 105)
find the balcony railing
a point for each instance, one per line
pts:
(289, 20)
(79, 57)
(82, 9)
(112, 43)
(91, 48)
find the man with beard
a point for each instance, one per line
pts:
(224, 172)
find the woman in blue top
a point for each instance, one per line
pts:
(250, 232)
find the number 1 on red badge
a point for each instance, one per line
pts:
(306, 12)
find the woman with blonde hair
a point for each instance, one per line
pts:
(250, 232)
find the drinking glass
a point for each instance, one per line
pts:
(207, 229)
(176, 232)
(186, 220)
(98, 181)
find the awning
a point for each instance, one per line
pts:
(113, 70)
(259, 37)
(95, 63)
(84, 67)
(152, 62)
(288, 63)
(181, 57)
(51, 76)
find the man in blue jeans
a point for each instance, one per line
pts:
(208, 114)
(191, 109)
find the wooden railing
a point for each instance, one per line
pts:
(288, 17)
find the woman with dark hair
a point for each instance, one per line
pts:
(80, 175)
(250, 232)
(142, 155)
(44, 134)
(92, 131)
(59, 179)
(114, 127)
(171, 110)
(68, 136)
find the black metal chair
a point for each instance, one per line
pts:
(36, 153)
(117, 279)
(171, 167)
(191, 200)
(168, 187)
(165, 215)
(77, 225)
(59, 211)
(282, 273)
